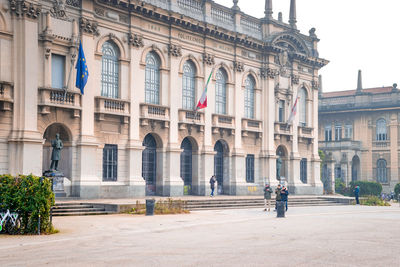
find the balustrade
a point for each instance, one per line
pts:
(52, 97)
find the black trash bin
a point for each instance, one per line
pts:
(280, 209)
(150, 207)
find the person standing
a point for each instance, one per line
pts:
(278, 194)
(267, 197)
(284, 195)
(357, 193)
(212, 185)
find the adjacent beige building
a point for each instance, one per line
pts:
(359, 133)
(134, 131)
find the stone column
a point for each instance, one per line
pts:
(394, 154)
(25, 142)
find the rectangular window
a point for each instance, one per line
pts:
(338, 132)
(348, 131)
(328, 133)
(110, 162)
(250, 168)
(303, 170)
(281, 111)
(57, 71)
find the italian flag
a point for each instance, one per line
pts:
(203, 99)
(294, 110)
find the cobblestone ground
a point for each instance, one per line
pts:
(311, 236)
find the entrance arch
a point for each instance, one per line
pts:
(65, 163)
(221, 164)
(149, 164)
(186, 166)
(355, 168)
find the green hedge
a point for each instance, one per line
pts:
(397, 190)
(29, 196)
(367, 188)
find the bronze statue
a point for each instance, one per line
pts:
(278, 166)
(56, 153)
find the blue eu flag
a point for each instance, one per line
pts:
(82, 72)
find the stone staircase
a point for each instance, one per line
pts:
(258, 202)
(78, 209)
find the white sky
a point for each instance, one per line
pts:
(354, 34)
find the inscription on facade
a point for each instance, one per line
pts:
(223, 47)
(190, 38)
(153, 27)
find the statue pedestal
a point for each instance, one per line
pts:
(57, 181)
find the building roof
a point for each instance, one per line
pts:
(377, 90)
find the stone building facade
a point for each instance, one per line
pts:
(359, 133)
(134, 131)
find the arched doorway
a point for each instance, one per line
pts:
(65, 162)
(221, 164)
(186, 166)
(355, 168)
(149, 164)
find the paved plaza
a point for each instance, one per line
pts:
(309, 236)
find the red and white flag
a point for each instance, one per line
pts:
(294, 111)
(203, 99)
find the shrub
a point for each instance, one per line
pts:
(31, 197)
(373, 201)
(397, 191)
(367, 188)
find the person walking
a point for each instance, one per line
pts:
(284, 195)
(267, 197)
(278, 194)
(212, 185)
(357, 193)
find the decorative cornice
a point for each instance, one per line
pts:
(238, 66)
(135, 40)
(295, 79)
(89, 26)
(208, 59)
(174, 50)
(268, 73)
(24, 8)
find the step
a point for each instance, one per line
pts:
(72, 207)
(77, 210)
(83, 213)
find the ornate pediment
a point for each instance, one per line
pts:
(290, 42)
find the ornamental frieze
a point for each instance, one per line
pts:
(135, 40)
(268, 73)
(208, 59)
(74, 3)
(238, 66)
(89, 26)
(25, 8)
(295, 79)
(58, 9)
(174, 50)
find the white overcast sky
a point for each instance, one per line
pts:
(354, 34)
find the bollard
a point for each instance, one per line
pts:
(39, 225)
(150, 207)
(280, 209)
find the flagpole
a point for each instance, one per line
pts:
(205, 92)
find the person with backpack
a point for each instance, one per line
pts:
(212, 185)
(357, 193)
(284, 196)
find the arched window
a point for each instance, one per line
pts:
(220, 92)
(152, 79)
(381, 132)
(188, 85)
(303, 107)
(109, 70)
(249, 97)
(381, 171)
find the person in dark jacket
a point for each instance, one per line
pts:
(284, 195)
(357, 193)
(278, 194)
(267, 197)
(212, 185)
